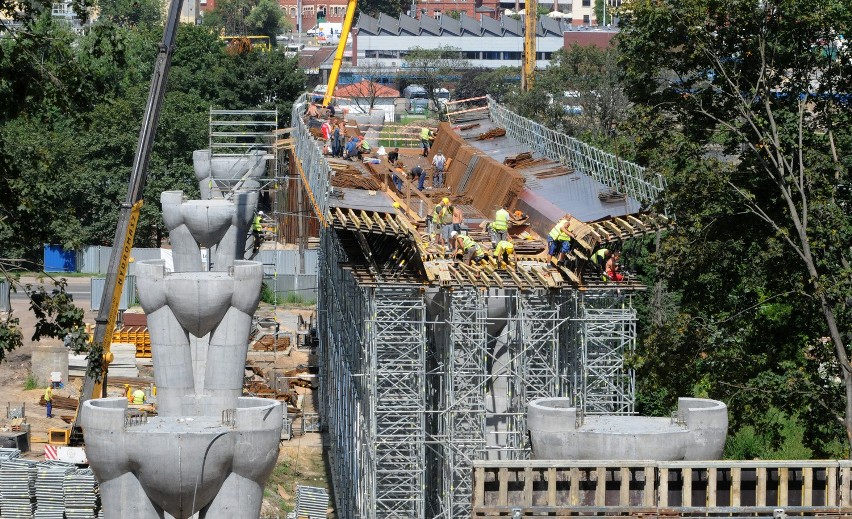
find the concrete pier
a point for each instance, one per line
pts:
(209, 450)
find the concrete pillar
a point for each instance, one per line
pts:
(47, 359)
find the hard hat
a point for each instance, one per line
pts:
(454, 234)
(260, 212)
(518, 214)
(445, 200)
(396, 205)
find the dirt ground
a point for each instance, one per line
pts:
(300, 460)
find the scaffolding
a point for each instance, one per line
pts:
(418, 381)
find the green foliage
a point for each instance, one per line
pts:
(267, 295)
(31, 382)
(131, 12)
(779, 437)
(56, 314)
(494, 82)
(429, 68)
(579, 93)
(751, 307)
(265, 18)
(11, 336)
(391, 8)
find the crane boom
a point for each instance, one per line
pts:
(338, 55)
(530, 23)
(96, 379)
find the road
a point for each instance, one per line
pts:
(79, 288)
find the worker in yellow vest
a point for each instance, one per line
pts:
(498, 230)
(425, 140)
(138, 397)
(559, 240)
(257, 229)
(48, 401)
(504, 250)
(464, 243)
(442, 222)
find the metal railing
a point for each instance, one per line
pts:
(311, 163)
(676, 488)
(620, 175)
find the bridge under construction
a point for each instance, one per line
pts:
(427, 364)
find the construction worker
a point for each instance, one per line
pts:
(559, 240)
(613, 269)
(418, 173)
(48, 401)
(504, 249)
(442, 218)
(138, 397)
(438, 163)
(425, 140)
(498, 230)
(599, 260)
(465, 244)
(396, 175)
(257, 229)
(393, 156)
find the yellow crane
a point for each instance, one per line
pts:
(338, 55)
(530, 22)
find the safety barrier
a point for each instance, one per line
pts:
(620, 175)
(674, 488)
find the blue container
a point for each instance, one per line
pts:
(57, 259)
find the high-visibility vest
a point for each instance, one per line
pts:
(557, 233)
(48, 394)
(504, 246)
(365, 145)
(467, 242)
(256, 225)
(501, 220)
(443, 214)
(138, 397)
(598, 256)
(425, 134)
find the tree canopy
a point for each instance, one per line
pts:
(744, 106)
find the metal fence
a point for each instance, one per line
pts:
(625, 177)
(94, 259)
(311, 163)
(5, 296)
(128, 293)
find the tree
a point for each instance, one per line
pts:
(265, 18)
(579, 93)
(431, 68)
(753, 115)
(480, 82)
(391, 8)
(131, 12)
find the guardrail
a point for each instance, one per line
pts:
(686, 489)
(620, 175)
(311, 163)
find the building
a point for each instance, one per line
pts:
(483, 42)
(364, 96)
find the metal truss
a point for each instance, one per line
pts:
(464, 417)
(395, 338)
(626, 177)
(608, 333)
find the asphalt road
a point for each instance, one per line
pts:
(79, 288)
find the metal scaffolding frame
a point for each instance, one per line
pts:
(418, 382)
(608, 333)
(463, 427)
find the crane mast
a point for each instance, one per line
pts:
(530, 22)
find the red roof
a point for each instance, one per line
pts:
(365, 89)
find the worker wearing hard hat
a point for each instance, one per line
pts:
(257, 229)
(505, 249)
(498, 230)
(442, 218)
(464, 243)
